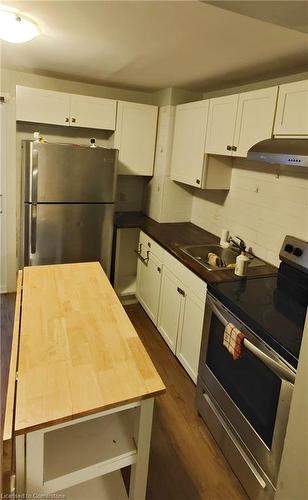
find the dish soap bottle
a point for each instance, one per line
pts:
(241, 266)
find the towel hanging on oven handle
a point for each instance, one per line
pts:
(280, 369)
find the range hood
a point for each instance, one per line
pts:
(293, 152)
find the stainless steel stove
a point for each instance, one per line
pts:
(245, 403)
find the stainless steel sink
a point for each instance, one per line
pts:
(227, 256)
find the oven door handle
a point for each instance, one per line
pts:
(280, 369)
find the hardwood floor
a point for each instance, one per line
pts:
(185, 463)
(7, 304)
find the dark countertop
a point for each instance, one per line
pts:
(172, 236)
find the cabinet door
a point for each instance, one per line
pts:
(255, 118)
(169, 308)
(148, 285)
(292, 109)
(221, 125)
(190, 334)
(135, 138)
(92, 112)
(42, 106)
(188, 143)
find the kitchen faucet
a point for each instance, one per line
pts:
(241, 245)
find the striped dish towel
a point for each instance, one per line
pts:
(233, 340)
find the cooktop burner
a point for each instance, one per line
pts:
(273, 307)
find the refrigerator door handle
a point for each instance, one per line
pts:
(34, 176)
(33, 228)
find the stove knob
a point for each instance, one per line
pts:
(298, 252)
(288, 248)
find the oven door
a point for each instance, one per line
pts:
(254, 392)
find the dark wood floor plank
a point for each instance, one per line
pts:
(7, 306)
(185, 462)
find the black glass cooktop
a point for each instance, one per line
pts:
(272, 307)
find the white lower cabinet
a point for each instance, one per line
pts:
(190, 333)
(169, 308)
(148, 282)
(174, 299)
(180, 320)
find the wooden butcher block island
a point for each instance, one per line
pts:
(81, 387)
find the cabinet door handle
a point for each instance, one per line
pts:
(180, 291)
(198, 181)
(145, 260)
(229, 148)
(149, 244)
(234, 148)
(66, 120)
(159, 269)
(73, 120)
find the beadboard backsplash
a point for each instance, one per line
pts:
(263, 205)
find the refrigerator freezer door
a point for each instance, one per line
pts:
(65, 173)
(58, 233)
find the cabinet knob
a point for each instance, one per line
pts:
(66, 120)
(159, 269)
(149, 244)
(73, 120)
(229, 148)
(180, 291)
(234, 148)
(198, 181)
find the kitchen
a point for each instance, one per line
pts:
(182, 134)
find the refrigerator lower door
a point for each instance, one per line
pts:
(66, 233)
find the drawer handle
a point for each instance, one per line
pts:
(234, 148)
(66, 120)
(229, 148)
(73, 120)
(181, 292)
(198, 181)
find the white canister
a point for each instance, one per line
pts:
(241, 266)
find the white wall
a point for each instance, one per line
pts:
(263, 205)
(9, 80)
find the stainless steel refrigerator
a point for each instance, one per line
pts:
(68, 194)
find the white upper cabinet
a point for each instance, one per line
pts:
(42, 106)
(188, 143)
(135, 138)
(292, 109)
(221, 123)
(255, 119)
(92, 112)
(239, 121)
(59, 108)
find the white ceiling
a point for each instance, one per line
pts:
(155, 44)
(291, 14)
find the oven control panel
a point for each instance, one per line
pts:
(295, 252)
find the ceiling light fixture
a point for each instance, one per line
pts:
(15, 28)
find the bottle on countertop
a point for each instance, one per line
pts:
(242, 263)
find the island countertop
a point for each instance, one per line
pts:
(78, 351)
